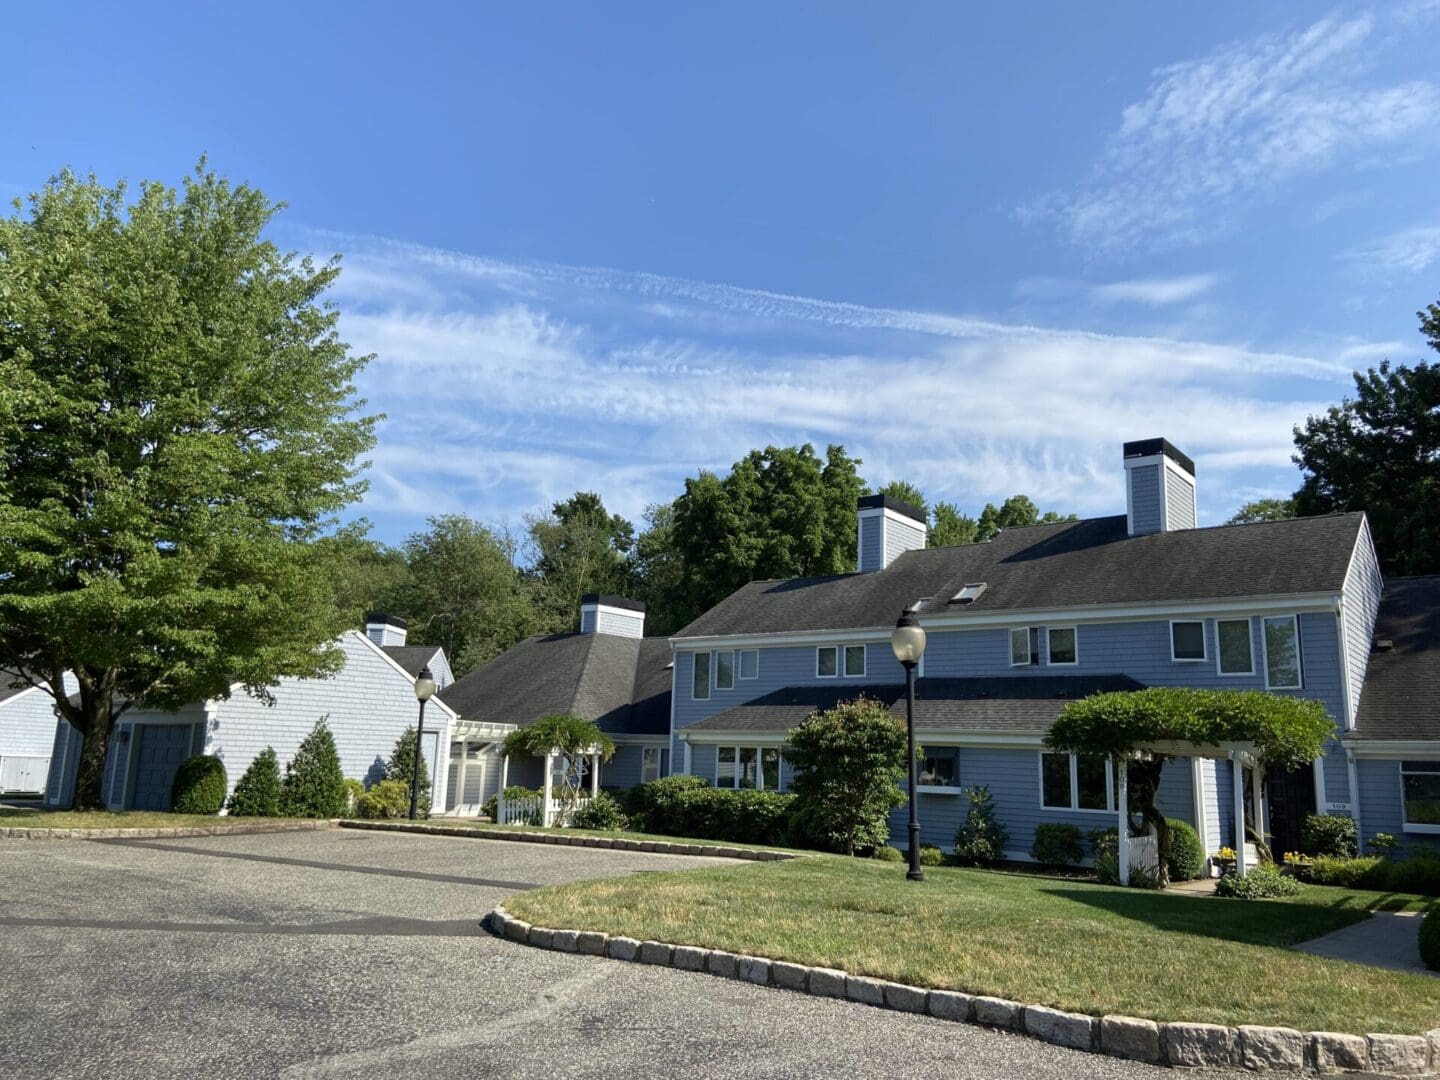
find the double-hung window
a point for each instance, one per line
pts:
(835, 660)
(649, 764)
(748, 767)
(1024, 646)
(1076, 782)
(1061, 646)
(1282, 652)
(1237, 654)
(749, 663)
(827, 662)
(1420, 794)
(1187, 641)
(724, 670)
(700, 677)
(854, 661)
(941, 768)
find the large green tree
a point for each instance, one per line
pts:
(1380, 452)
(1263, 510)
(464, 591)
(178, 425)
(579, 547)
(780, 512)
(657, 571)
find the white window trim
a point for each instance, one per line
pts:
(1219, 650)
(940, 789)
(715, 665)
(759, 749)
(1418, 827)
(740, 669)
(1204, 657)
(709, 674)
(1075, 807)
(1075, 631)
(843, 656)
(1299, 656)
(1010, 645)
(836, 650)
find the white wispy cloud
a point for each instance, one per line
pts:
(1408, 251)
(511, 385)
(1242, 121)
(1156, 292)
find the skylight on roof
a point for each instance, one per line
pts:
(969, 593)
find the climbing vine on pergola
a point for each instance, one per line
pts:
(1145, 728)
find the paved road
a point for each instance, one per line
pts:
(352, 954)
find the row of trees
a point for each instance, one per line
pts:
(779, 512)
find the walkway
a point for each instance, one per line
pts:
(1388, 939)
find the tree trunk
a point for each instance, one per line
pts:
(93, 719)
(1146, 777)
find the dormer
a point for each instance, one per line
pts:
(1159, 488)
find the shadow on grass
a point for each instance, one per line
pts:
(1252, 922)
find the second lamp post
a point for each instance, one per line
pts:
(424, 688)
(908, 642)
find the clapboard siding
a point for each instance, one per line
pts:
(1179, 502)
(1145, 499)
(1380, 805)
(1363, 586)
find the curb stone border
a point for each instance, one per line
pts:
(162, 832)
(1181, 1045)
(617, 843)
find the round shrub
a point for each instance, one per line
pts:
(1056, 844)
(601, 812)
(1261, 883)
(1329, 834)
(199, 786)
(353, 790)
(1430, 938)
(930, 855)
(1420, 873)
(886, 853)
(257, 792)
(1187, 856)
(662, 806)
(389, 799)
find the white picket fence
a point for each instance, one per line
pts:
(527, 811)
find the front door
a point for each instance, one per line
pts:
(158, 754)
(1291, 796)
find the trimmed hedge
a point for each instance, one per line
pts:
(314, 785)
(1056, 844)
(1368, 871)
(199, 786)
(1420, 873)
(1329, 834)
(1187, 856)
(1430, 938)
(689, 806)
(387, 800)
(601, 812)
(257, 792)
(1261, 883)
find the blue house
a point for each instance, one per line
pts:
(1043, 615)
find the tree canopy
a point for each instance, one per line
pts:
(178, 425)
(1263, 510)
(579, 547)
(1380, 452)
(573, 738)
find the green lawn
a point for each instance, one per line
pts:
(472, 823)
(18, 818)
(1064, 943)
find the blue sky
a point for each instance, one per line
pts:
(603, 246)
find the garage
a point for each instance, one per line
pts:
(159, 750)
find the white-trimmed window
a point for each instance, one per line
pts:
(1187, 641)
(700, 678)
(1282, 652)
(649, 764)
(748, 767)
(725, 670)
(854, 661)
(749, 663)
(1420, 796)
(827, 661)
(1235, 647)
(940, 768)
(1061, 646)
(1022, 650)
(1076, 782)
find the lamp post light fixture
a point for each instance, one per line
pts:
(424, 691)
(907, 641)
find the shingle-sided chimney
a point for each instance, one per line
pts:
(1159, 488)
(887, 529)
(384, 629)
(602, 614)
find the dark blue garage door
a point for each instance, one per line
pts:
(158, 754)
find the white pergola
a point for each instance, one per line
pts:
(467, 733)
(1241, 756)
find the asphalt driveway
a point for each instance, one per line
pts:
(340, 954)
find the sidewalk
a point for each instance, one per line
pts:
(1388, 939)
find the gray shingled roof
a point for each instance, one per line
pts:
(1401, 695)
(596, 676)
(1069, 564)
(1007, 704)
(411, 657)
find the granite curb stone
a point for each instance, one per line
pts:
(1275, 1049)
(177, 832)
(904, 998)
(1336, 1052)
(997, 1013)
(790, 976)
(754, 969)
(1199, 1046)
(655, 952)
(589, 942)
(688, 958)
(1130, 1037)
(1399, 1055)
(950, 1005)
(1075, 1030)
(827, 982)
(622, 948)
(864, 990)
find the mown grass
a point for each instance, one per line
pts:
(613, 834)
(18, 818)
(1064, 943)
